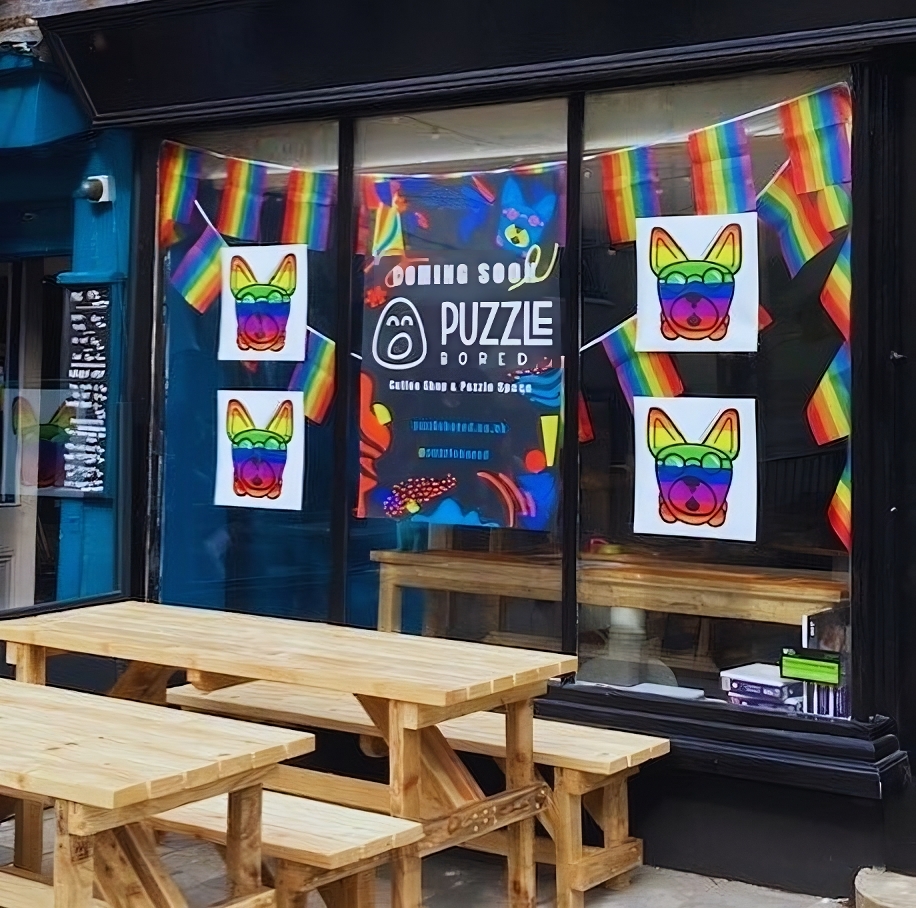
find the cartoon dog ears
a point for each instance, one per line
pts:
(241, 275)
(239, 420)
(723, 435)
(725, 250)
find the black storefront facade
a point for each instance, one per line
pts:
(775, 796)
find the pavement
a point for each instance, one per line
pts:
(460, 879)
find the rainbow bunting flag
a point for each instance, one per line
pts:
(828, 409)
(315, 377)
(198, 277)
(839, 511)
(640, 374)
(307, 216)
(240, 208)
(720, 164)
(630, 186)
(834, 205)
(179, 174)
(837, 291)
(797, 221)
(817, 129)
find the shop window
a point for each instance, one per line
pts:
(715, 408)
(461, 221)
(248, 290)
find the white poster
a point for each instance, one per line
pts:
(260, 449)
(696, 467)
(263, 303)
(697, 285)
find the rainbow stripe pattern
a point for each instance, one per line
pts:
(834, 204)
(837, 290)
(307, 216)
(802, 232)
(828, 409)
(720, 162)
(640, 374)
(240, 207)
(839, 511)
(315, 377)
(817, 129)
(179, 174)
(630, 187)
(198, 278)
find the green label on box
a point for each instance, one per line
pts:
(814, 665)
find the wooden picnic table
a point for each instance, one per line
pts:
(107, 765)
(406, 684)
(708, 591)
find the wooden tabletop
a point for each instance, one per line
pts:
(108, 753)
(419, 670)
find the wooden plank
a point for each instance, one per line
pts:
(243, 841)
(107, 753)
(20, 892)
(73, 868)
(359, 794)
(142, 682)
(442, 672)
(519, 774)
(567, 802)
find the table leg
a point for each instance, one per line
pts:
(31, 667)
(389, 601)
(243, 841)
(73, 865)
(519, 773)
(405, 771)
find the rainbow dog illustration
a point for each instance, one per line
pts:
(695, 296)
(262, 310)
(258, 455)
(693, 478)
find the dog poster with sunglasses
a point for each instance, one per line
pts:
(260, 450)
(697, 283)
(264, 303)
(696, 467)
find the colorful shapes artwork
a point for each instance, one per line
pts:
(836, 294)
(720, 160)
(829, 409)
(258, 455)
(315, 377)
(817, 129)
(839, 511)
(179, 174)
(243, 193)
(640, 374)
(550, 430)
(309, 202)
(197, 277)
(630, 187)
(262, 309)
(408, 497)
(695, 296)
(522, 220)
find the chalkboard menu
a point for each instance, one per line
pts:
(88, 323)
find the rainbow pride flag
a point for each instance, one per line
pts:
(640, 374)
(817, 129)
(198, 277)
(720, 164)
(630, 186)
(836, 293)
(240, 207)
(828, 409)
(179, 174)
(795, 218)
(839, 511)
(315, 377)
(834, 204)
(307, 216)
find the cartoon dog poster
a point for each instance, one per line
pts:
(697, 286)
(263, 303)
(696, 467)
(260, 450)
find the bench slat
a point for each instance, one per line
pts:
(300, 830)
(561, 744)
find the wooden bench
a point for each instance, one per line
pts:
(591, 767)
(318, 846)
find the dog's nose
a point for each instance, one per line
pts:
(693, 298)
